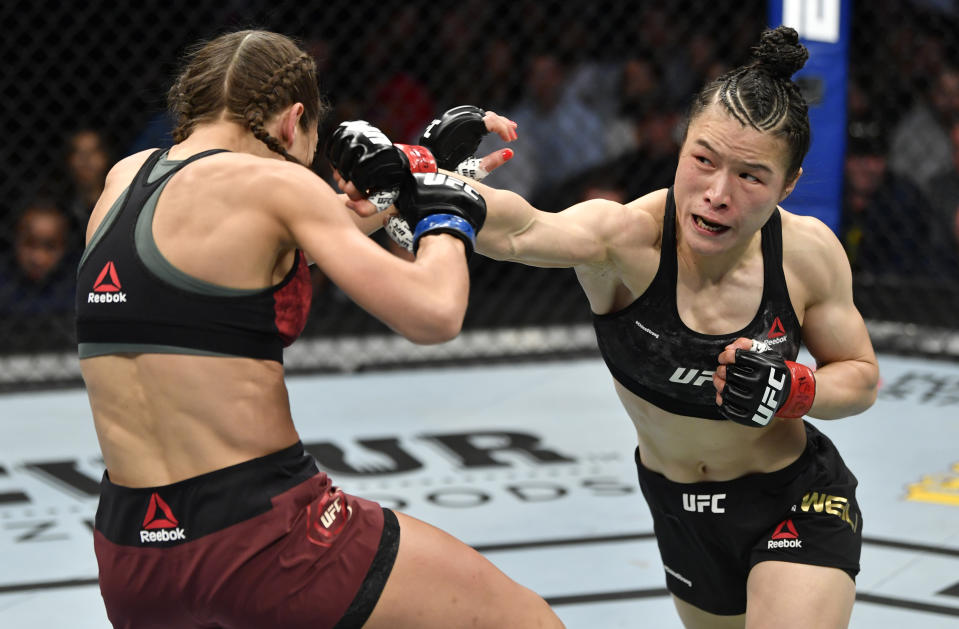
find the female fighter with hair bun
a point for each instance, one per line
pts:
(702, 294)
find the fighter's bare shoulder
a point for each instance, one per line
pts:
(124, 170)
(813, 254)
(616, 226)
(647, 214)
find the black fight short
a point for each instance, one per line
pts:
(266, 543)
(711, 534)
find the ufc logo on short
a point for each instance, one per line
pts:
(703, 502)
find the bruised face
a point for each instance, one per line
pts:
(729, 180)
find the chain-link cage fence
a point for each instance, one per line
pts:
(600, 87)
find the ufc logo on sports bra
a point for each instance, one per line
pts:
(703, 502)
(697, 378)
(770, 402)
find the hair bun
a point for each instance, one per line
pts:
(779, 52)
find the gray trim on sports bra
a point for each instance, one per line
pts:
(156, 262)
(146, 246)
(89, 350)
(108, 220)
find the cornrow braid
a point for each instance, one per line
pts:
(267, 99)
(246, 76)
(769, 98)
(762, 94)
(183, 110)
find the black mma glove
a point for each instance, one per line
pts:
(378, 168)
(761, 385)
(437, 203)
(366, 157)
(454, 137)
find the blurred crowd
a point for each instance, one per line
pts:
(590, 125)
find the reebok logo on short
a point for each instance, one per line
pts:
(106, 288)
(159, 524)
(785, 536)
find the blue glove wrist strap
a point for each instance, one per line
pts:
(445, 222)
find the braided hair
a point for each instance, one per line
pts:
(248, 76)
(762, 94)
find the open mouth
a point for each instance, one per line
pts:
(712, 228)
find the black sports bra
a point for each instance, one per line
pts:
(131, 299)
(651, 352)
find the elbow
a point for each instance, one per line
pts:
(437, 326)
(870, 391)
(872, 384)
(871, 396)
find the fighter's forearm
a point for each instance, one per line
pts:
(844, 388)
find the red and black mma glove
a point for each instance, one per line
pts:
(378, 168)
(761, 385)
(441, 204)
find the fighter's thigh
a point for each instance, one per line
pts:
(695, 618)
(438, 581)
(793, 595)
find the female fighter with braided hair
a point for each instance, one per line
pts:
(193, 280)
(702, 294)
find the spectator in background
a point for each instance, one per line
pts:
(559, 135)
(87, 159)
(38, 282)
(884, 215)
(691, 66)
(601, 185)
(920, 142)
(640, 90)
(653, 163)
(641, 139)
(498, 83)
(399, 101)
(944, 199)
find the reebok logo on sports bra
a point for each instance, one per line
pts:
(106, 288)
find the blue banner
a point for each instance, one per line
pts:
(823, 27)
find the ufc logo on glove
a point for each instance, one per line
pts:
(439, 179)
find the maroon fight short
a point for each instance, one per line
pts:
(266, 543)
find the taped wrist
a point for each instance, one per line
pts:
(446, 224)
(802, 391)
